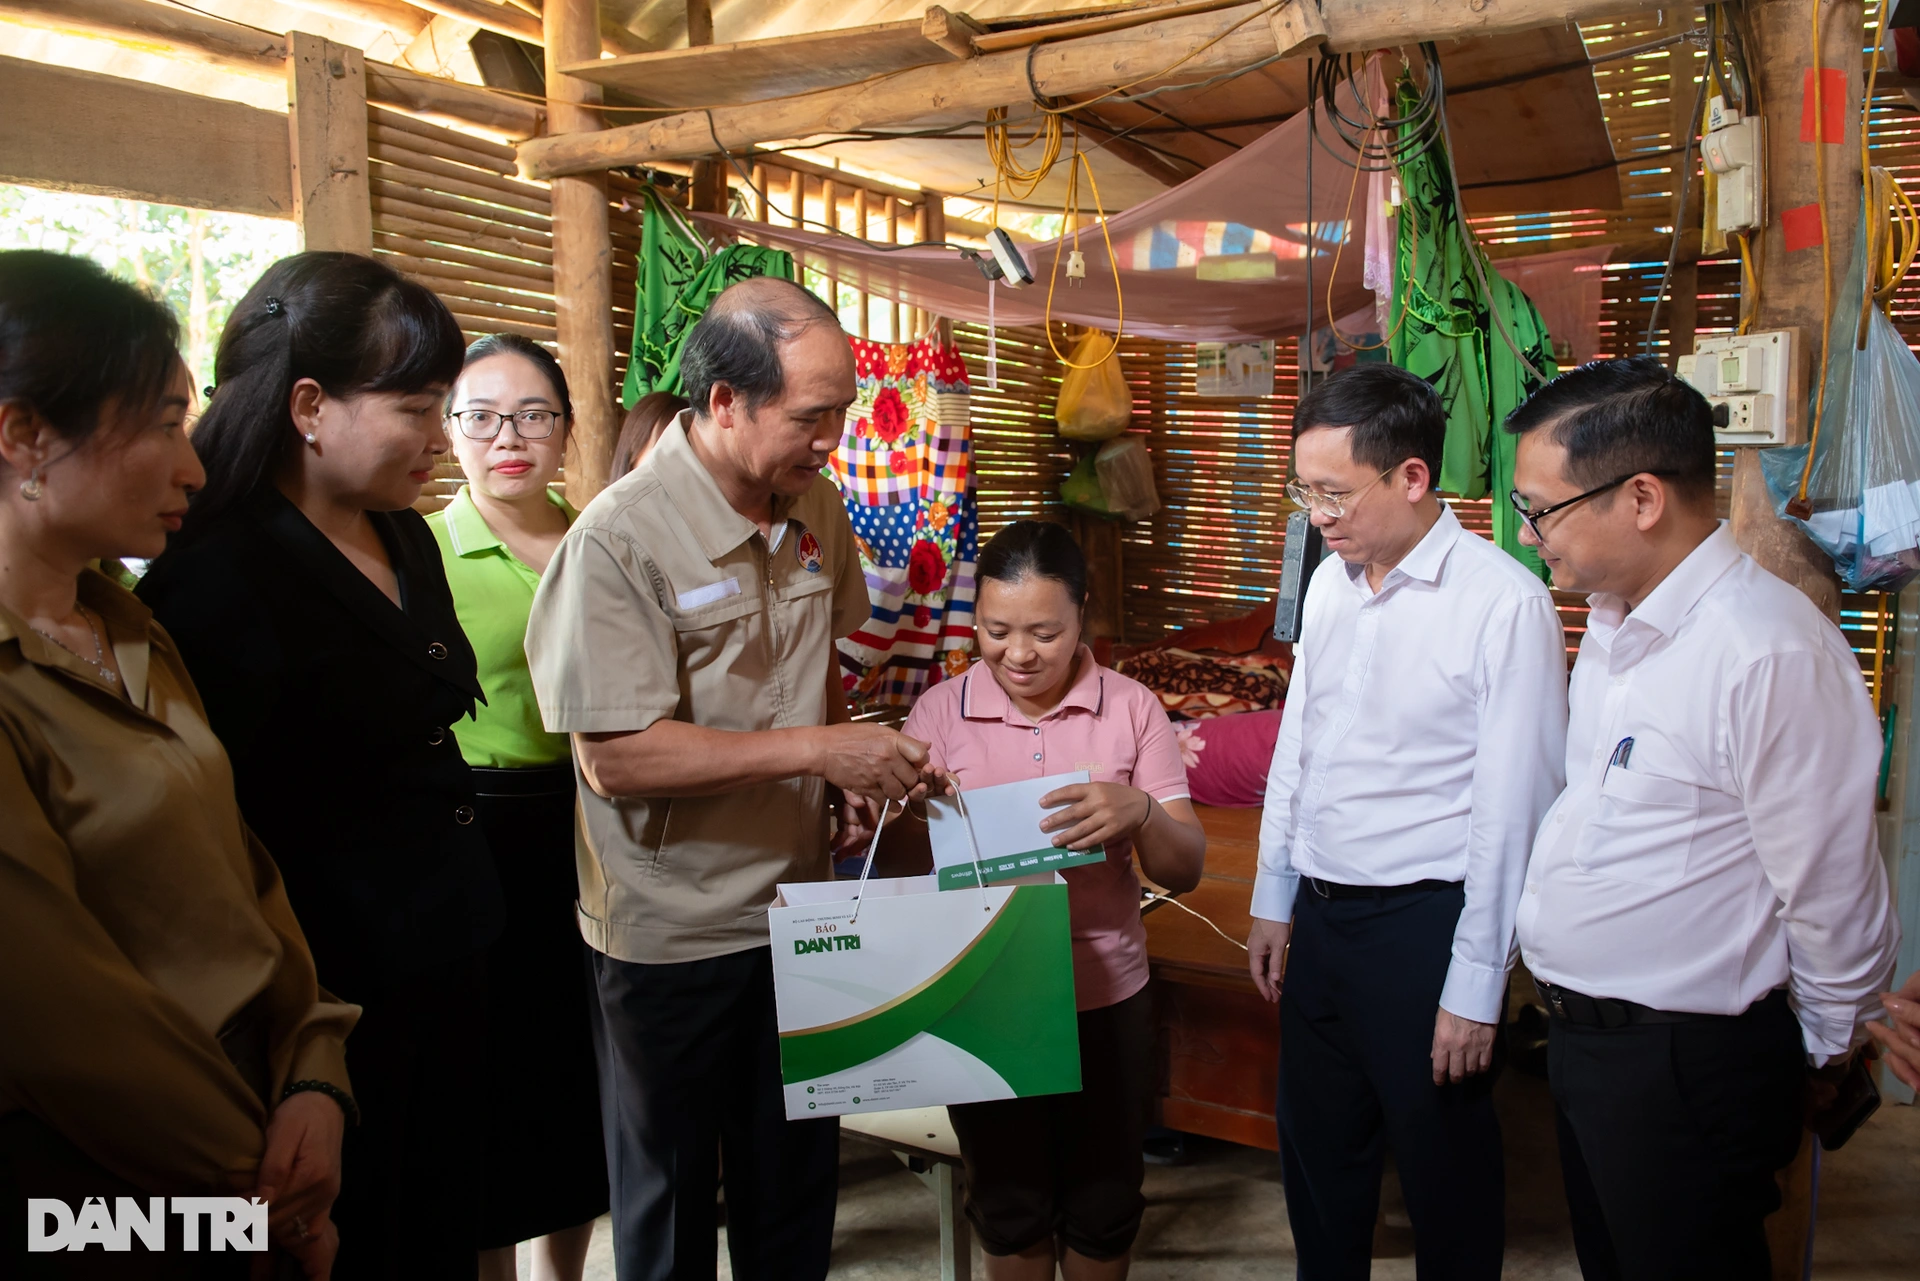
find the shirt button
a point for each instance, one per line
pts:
(463, 815)
(436, 650)
(1036, 756)
(436, 736)
(1036, 729)
(1534, 888)
(1619, 680)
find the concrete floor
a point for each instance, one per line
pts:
(1221, 1217)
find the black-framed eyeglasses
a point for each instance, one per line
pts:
(485, 424)
(1534, 515)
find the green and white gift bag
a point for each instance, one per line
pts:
(891, 994)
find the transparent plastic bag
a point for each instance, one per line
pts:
(1864, 490)
(1094, 402)
(1126, 478)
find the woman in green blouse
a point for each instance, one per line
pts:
(544, 1179)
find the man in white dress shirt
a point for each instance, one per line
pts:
(1706, 908)
(1419, 747)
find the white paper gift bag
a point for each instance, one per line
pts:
(892, 994)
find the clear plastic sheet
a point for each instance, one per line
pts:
(1864, 489)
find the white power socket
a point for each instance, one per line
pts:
(1745, 377)
(1735, 152)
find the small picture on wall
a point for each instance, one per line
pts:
(1234, 370)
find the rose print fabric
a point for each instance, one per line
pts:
(905, 470)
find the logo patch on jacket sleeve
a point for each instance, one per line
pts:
(806, 550)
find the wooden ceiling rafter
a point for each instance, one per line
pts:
(1221, 40)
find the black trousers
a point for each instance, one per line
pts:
(1356, 1078)
(689, 1060)
(1067, 1166)
(1670, 1136)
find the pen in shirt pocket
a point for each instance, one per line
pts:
(1622, 753)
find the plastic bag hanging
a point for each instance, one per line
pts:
(1095, 402)
(1863, 489)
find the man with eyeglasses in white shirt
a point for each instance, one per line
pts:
(1706, 910)
(1419, 747)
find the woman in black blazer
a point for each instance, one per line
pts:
(310, 605)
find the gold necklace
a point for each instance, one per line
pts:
(99, 660)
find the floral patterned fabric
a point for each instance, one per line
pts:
(905, 470)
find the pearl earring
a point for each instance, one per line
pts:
(31, 488)
(312, 439)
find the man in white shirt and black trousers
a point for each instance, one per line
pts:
(1706, 911)
(1419, 747)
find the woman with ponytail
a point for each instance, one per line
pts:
(309, 603)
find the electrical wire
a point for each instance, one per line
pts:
(1161, 896)
(1680, 209)
(1377, 144)
(1475, 254)
(1893, 224)
(1070, 217)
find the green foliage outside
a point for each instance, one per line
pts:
(200, 262)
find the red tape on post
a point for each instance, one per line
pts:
(1833, 105)
(1801, 227)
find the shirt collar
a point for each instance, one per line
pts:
(1674, 597)
(982, 699)
(128, 623)
(716, 526)
(469, 532)
(1425, 561)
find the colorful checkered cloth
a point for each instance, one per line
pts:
(904, 468)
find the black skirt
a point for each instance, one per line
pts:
(544, 1166)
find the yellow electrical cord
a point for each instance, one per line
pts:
(1346, 235)
(1751, 276)
(1008, 171)
(1826, 265)
(1070, 219)
(1893, 224)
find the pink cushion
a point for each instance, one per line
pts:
(1227, 757)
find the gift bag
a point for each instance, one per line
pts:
(891, 994)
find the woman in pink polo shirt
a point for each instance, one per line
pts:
(1058, 1177)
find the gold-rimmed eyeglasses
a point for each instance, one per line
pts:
(1334, 505)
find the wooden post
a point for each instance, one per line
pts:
(860, 220)
(830, 216)
(920, 237)
(582, 256)
(936, 212)
(327, 143)
(898, 311)
(1791, 288)
(699, 23)
(1781, 52)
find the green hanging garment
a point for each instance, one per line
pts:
(680, 273)
(1449, 338)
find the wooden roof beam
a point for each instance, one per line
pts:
(251, 51)
(1241, 35)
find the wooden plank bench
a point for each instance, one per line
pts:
(924, 1140)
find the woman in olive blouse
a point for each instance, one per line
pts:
(308, 601)
(544, 1176)
(163, 1030)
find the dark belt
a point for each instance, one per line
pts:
(531, 780)
(1328, 889)
(1582, 1010)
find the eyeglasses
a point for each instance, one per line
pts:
(1334, 505)
(485, 424)
(1534, 515)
